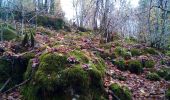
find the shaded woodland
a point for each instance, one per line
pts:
(106, 50)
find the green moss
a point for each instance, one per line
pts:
(55, 62)
(163, 62)
(28, 72)
(80, 56)
(162, 73)
(47, 80)
(100, 65)
(5, 70)
(119, 51)
(167, 77)
(131, 40)
(168, 53)
(135, 66)
(123, 93)
(77, 79)
(168, 94)
(121, 65)
(127, 55)
(150, 51)
(149, 64)
(96, 82)
(9, 34)
(153, 77)
(135, 52)
(29, 55)
(59, 24)
(116, 43)
(55, 77)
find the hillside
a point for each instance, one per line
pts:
(65, 65)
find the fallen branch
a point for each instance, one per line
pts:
(113, 95)
(16, 86)
(6, 83)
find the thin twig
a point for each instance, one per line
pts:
(16, 86)
(6, 83)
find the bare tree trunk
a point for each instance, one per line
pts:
(46, 6)
(52, 5)
(82, 4)
(22, 20)
(95, 15)
(149, 15)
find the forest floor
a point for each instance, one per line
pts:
(142, 88)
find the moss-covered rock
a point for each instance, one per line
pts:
(127, 55)
(119, 51)
(121, 92)
(80, 56)
(28, 55)
(134, 66)
(162, 73)
(121, 65)
(100, 65)
(55, 77)
(135, 52)
(57, 62)
(77, 79)
(149, 64)
(153, 76)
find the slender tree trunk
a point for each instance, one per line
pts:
(95, 15)
(1, 33)
(46, 6)
(149, 15)
(52, 6)
(22, 22)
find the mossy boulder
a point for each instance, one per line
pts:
(121, 65)
(121, 92)
(153, 76)
(55, 77)
(135, 52)
(162, 73)
(128, 55)
(134, 66)
(149, 64)
(80, 56)
(120, 51)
